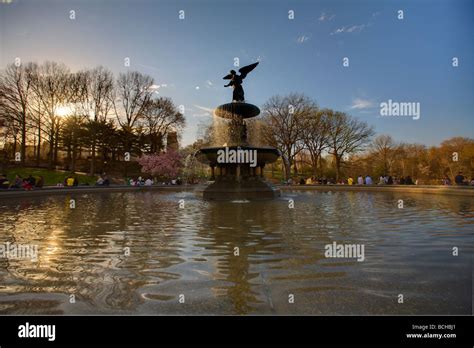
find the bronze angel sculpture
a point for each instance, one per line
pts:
(236, 81)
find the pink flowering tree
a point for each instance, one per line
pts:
(166, 164)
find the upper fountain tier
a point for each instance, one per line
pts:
(237, 109)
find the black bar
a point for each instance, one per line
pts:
(261, 330)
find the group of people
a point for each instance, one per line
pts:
(149, 181)
(383, 180)
(459, 179)
(141, 181)
(103, 180)
(361, 180)
(21, 183)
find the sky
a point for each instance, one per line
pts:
(403, 60)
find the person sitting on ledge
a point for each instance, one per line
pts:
(17, 183)
(100, 181)
(350, 181)
(446, 180)
(69, 181)
(31, 180)
(26, 185)
(459, 179)
(302, 181)
(389, 180)
(368, 180)
(360, 180)
(40, 182)
(408, 180)
(148, 182)
(4, 183)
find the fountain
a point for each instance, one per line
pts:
(237, 167)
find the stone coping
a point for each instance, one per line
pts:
(50, 190)
(431, 189)
(423, 189)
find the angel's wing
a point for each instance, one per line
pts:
(246, 69)
(227, 77)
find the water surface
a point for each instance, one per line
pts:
(191, 251)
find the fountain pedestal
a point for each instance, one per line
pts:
(239, 177)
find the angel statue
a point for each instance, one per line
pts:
(236, 81)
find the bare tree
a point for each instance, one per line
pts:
(383, 148)
(347, 135)
(315, 134)
(52, 88)
(15, 95)
(283, 123)
(95, 99)
(133, 97)
(160, 117)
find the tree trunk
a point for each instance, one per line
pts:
(92, 167)
(23, 141)
(68, 157)
(56, 147)
(14, 146)
(51, 150)
(314, 163)
(338, 166)
(73, 158)
(38, 155)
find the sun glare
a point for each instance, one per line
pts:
(63, 110)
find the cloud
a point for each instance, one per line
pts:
(155, 88)
(302, 39)
(326, 17)
(359, 104)
(351, 29)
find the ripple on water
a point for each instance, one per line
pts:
(134, 252)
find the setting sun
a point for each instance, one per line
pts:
(63, 110)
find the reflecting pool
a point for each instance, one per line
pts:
(172, 253)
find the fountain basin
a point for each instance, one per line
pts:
(236, 109)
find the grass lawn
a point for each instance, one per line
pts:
(51, 177)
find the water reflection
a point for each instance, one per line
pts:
(138, 252)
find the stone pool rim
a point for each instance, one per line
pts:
(420, 189)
